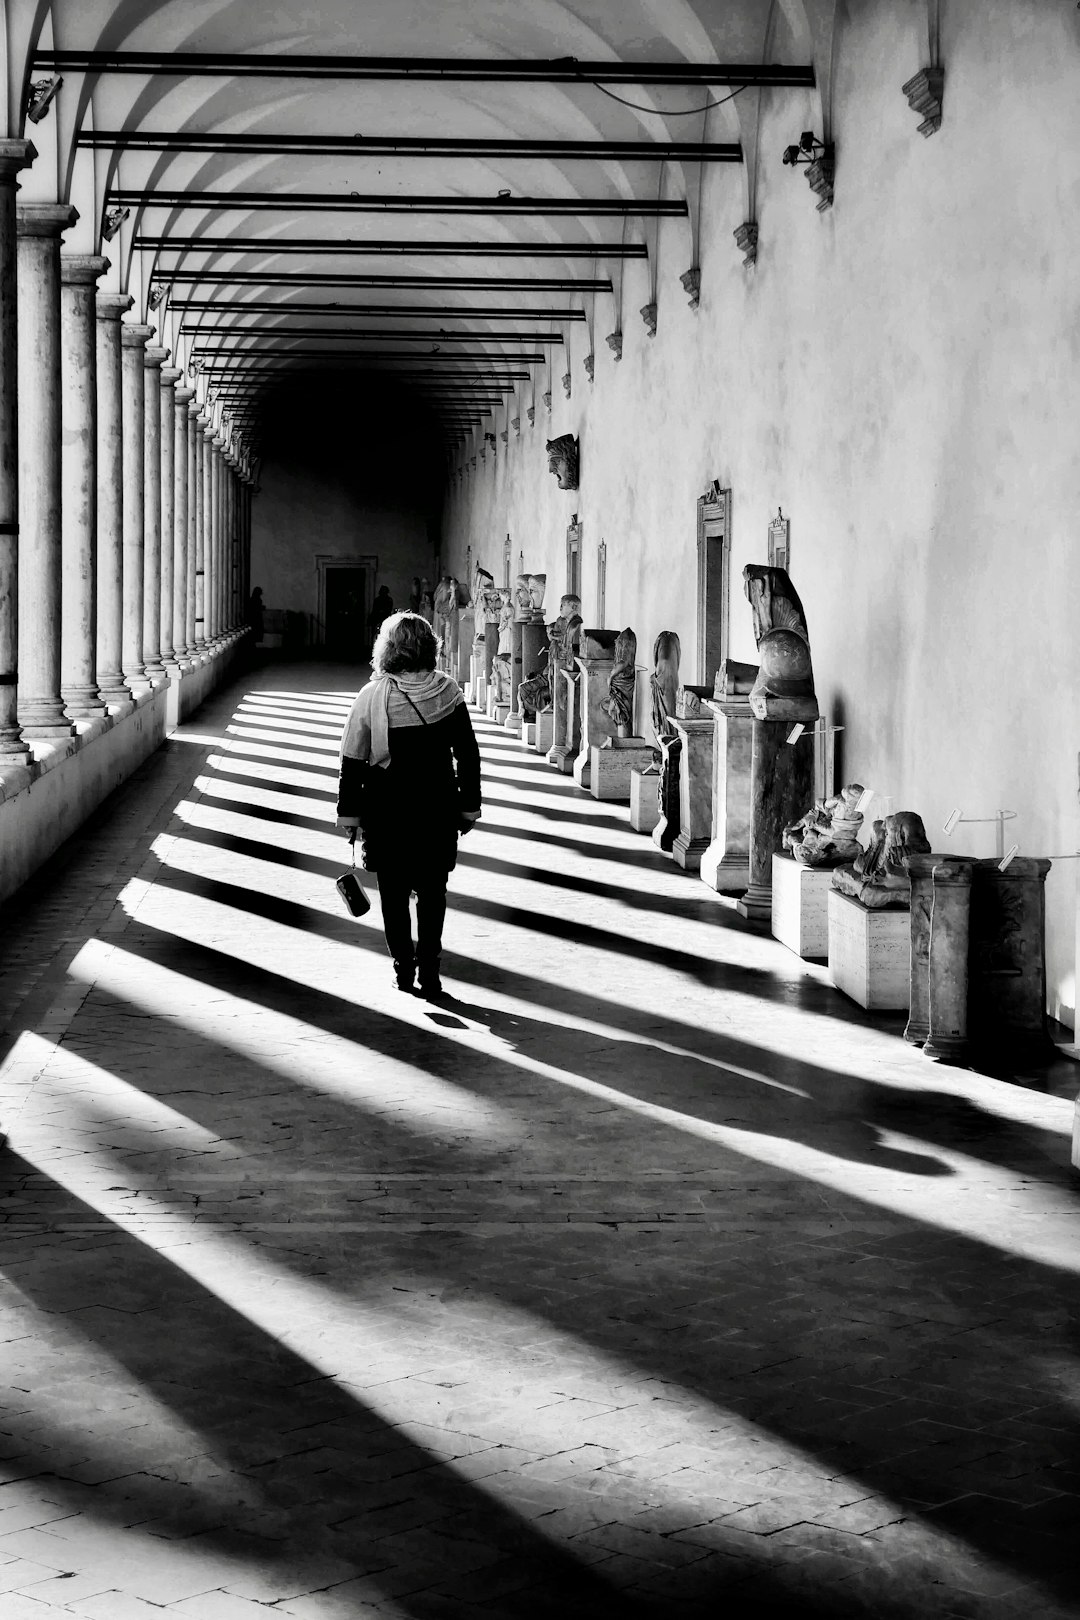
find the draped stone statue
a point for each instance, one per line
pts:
(619, 703)
(880, 877)
(446, 622)
(534, 694)
(562, 636)
(828, 834)
(664, 681)
(426, 608)
(506, 619)
(784, 688)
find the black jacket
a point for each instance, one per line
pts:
(410, 811)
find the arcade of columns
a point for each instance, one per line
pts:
(124, 506)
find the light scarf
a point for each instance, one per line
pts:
(390, 701)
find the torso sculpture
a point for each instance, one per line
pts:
(879, 877)
(784, 688)
(619, 703)
(664, 681)
(445, 622)
(828, 834)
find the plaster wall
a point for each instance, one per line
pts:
(900, 375)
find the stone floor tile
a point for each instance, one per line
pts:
(647, 1247)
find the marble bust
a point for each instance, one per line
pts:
(563, 456)
(537, 586)
(880, 877)
(522, 599)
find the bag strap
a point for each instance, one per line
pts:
(412, 705)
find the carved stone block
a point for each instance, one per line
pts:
(531, 414)
(695, 791)
(644, 802)
(725, 864)
(590, 366)
(869, 953)
(924, 93)
(691, 281)
(820, 177)
(800, 908)
(1008, 958)
(515, 423)
(567, 383)
(612, 764)
(614, 343)
(546, 397)
(648, 315)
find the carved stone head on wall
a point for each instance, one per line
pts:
(563, 456)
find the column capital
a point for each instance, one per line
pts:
(155, 356)
(110, 306)
(15, 155)
(81, 269)
(170, 375)
(44, 219)
(195, 410)
(136, 336)
(184, 396)
(218, 441)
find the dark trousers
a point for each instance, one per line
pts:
(395, 890)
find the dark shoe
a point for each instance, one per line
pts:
(431, 986)
(404, 976)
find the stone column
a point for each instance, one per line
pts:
(110, 491)
(204, 574)
(921, 872)
(513, 719)
(166, 396)
(725, 864)
(14, 155)
(695, 790)
(213, 537)
(40, 706)
(950, 930)
(196, 578)
(133, 341)
(182, 646)
(781, 787)
(153, 358)
(79, 275)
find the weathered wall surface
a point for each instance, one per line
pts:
(900, 375)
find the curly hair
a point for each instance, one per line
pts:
(406, 643)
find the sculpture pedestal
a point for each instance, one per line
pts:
(501, 715)
(611, 764)
(513, 719)
(466, 644)
(533, 649)
(492, 697)
(491, 647)
(566, 726)
(476, 677)
(800, 907)
(781, 787)
(667, 827)
(644, 798)
(543, 728)
(695, 791)
(596, 726)
(480, 694)
(1008, 959)
(725, 864)
(870, 953)
(921, 873)
(950, 930)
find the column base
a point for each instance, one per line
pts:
(756, 903)
(945, 1049)
(45, 719)
(12, 745)
(724, 872)
(562, 756)
(499, 713)
(82, 702)
(512, 722)
(916, 1034)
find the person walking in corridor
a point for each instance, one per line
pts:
(409, 787)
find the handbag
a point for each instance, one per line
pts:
(350, 888)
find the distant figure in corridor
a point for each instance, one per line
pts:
(410, 786)
(381, 609)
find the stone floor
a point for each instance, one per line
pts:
(647, 1278)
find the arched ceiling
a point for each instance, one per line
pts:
(434, 188)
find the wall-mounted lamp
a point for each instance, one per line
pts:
(40, 97)
(114, 218)
(156, 297)
(819, 161)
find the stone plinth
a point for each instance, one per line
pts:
(533, 650)
(512, 719)
(870, 953)
(645, 798)
(596, 726)
(476, 676)
(800, 907)
(491, 647)
(566, 721)
(781, 786)
(695, 791)
(528, 732)
(667, 826)
(921, 872)
(725, 864)
(466, 643)
(611, 765)
(1008, 959)
(543, 731)
(950, 930)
